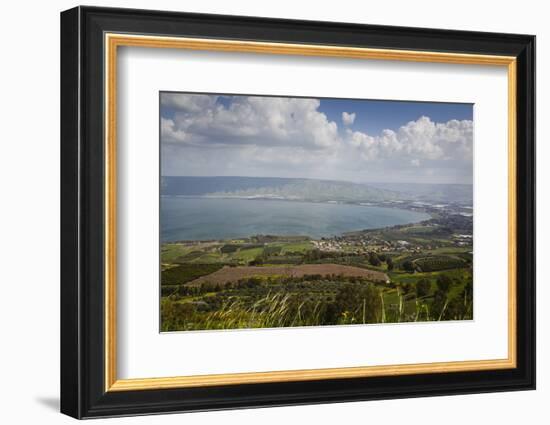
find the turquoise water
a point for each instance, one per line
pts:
(207, 218)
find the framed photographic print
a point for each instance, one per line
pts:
(261, 212)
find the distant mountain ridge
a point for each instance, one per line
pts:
(457, 193)
(273, 187)
(200, 186)
(310, 189)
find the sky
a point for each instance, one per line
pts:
(337, 139)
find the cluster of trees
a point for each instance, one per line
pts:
(423, 287)
(355, 304)
(445, 303)
(454, 223)
(377, 259)
(458, 307)
(408, 266)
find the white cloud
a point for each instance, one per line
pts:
(348, 119)
(270, 136)
(170, 132)
(262, 121)
(420, 139)
(192, 103)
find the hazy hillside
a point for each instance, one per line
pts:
(267, 187)
(458, 193)
(313, 190)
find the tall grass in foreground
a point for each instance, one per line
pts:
(353, 304)
(273, 311)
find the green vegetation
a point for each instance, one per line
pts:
(171, 251)
(256, 303)
(229, 248)
(190, 256)
(248, 254)
(312, 300)
(298, 247)
(187, 272)
(271, 250)
(423, 287)
(433, 263)
(407, 273)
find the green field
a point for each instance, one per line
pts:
(170, 252)
(187, 272)
(296, 247)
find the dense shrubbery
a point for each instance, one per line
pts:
(423, 287)
(431, 263)
(374, 260)
(229, 248)
(446, 307)
(408, 266)
(436, 263)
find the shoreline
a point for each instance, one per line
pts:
(393, 205)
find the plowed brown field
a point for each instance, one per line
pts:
(233, 274)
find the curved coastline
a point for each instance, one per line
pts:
(219, 218)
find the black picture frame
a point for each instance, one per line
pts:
(83, 392)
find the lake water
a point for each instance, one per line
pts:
(207, 218)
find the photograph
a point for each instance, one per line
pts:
(280, 211)
(285, 210)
